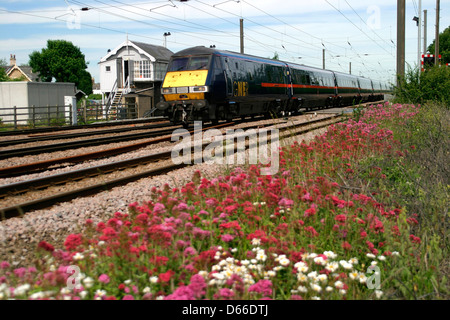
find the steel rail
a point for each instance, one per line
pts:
(21, 209)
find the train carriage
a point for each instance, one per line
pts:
(348, 90)
(205, 84)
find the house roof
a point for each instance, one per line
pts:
(153, 52)
(27, 71)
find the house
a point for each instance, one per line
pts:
(15, 72)
(132, 73)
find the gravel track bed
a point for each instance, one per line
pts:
(109, 135)
(20, 236)
(71, 131)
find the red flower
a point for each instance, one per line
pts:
(72, 241)
(46, 246)
(346, 246)
(165, 277)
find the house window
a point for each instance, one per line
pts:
(108, 68)
(142, 69)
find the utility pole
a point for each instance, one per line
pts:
(242, 35)
(436, 49)
(419, 47)
(400, 38)
(350, 68)
(425, 12)
(323, 58)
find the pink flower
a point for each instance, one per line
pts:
(225, 293)
(227, 237)
(4, 265)
(128, 297)
(263, 287)
(197, 285)
(104, 278)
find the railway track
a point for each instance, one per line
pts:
(86, 126)
(139, 171)
(46, 137)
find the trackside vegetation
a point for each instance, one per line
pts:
(358, 213)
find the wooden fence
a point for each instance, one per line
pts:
(38, 116)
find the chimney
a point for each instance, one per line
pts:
(12, 60)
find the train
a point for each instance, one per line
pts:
(209, 85)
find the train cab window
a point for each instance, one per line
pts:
(199, 63)
(178, 64)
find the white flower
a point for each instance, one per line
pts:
(362, 278)
(302, 289)
(65, 290)
(353, 261)
(353, 275)
(261, 256)
(101, 243)
(160, 298)
(378, 293)
(127, 282)
(78, 256)
(284, 262)
(100, 293)
(245, 262)
(330, 254)
(339, 284)
(332, 266)
(234, 250)
(328, 289)
(83, 294)
(342, 291)
(312, 255)
(21, 290)
(370, 255)
(88, 282)
(316, 287)
(312, 275)
(381, 258)
(395, 253)
(203, 273)
(374, 263)
(271, 273)
(301, 277)
(322, 277)
(315, 298)
(346, 265)
(154, 279)
(320, 260)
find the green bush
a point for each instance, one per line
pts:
(421, 87)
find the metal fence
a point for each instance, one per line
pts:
(38, 116)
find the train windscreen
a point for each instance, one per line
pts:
(189, 64)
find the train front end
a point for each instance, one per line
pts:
(185, 88)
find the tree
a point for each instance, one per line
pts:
(64, 62)
(444, 46)
(3, 75)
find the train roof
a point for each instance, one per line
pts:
(204, 50)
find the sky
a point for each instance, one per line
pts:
(356, 34)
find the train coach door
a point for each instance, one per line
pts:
(228, 77)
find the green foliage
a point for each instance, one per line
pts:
(444, 46)
(420, 87)
(64, 62)
(3, 76)
(93, 96)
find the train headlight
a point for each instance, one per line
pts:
(199, 89)
(168, 90)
